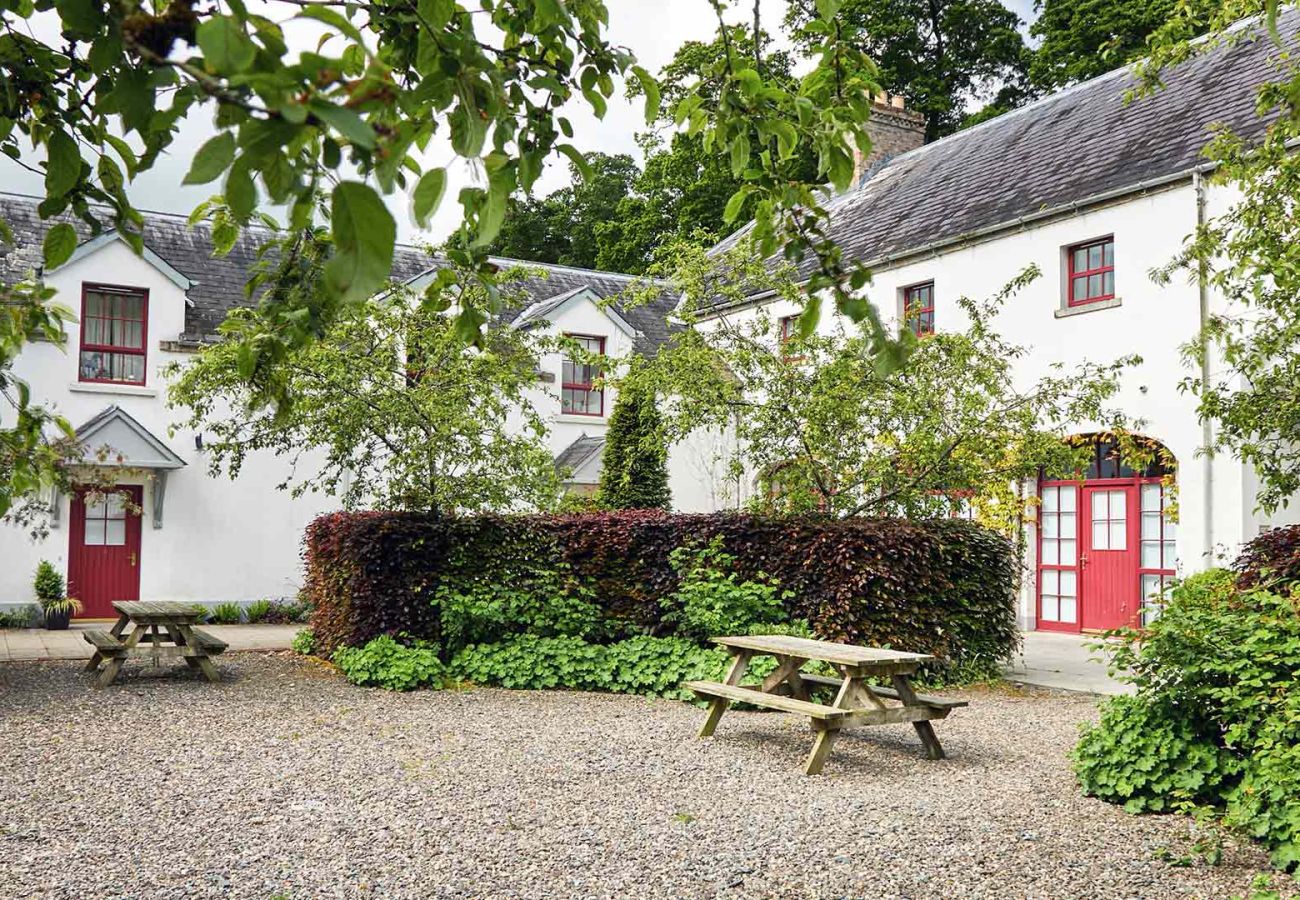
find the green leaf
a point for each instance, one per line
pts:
(63, 165)
(60, 242)
(226, 47)
(468, 130)
(736, 203)
(364, 236)
(578, 160)
(241, 193)
(332, 17)
(651, 88)
(428, 195)
(213, 158)
(345, 122)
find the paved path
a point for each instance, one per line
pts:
(1063, 661)
(39, 643)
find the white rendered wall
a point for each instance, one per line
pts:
(220, 540)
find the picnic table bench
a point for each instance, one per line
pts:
(162, 630)
(857, 700)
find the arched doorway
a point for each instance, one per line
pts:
(1106, 537)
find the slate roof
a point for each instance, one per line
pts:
(572, 457)
(219, 281)
(1063, 149)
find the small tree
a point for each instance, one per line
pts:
(634, 467)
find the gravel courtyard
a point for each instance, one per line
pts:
(284, 781)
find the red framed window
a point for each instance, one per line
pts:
(578, 394)
(787, 327)
(1158, 562)
(918, 308)
(114, 327)
(1092, 272)
(1058, 556)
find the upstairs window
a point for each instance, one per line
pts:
(918, 308)
(1092, 272)
(787, 327)
(578, 395)
(113, 331)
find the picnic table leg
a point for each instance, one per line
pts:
(718, 706)
(115, 663)
(204, 662)
(120, 625)
(821, 748)
(924, 730)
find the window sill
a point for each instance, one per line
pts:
(572, 419)
(1088, 307)
(128, 390)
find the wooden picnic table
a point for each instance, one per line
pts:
(857, 701)
(166, 630)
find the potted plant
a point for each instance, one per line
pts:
(57, 607)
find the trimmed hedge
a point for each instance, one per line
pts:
(945, 587)
(1273, 558)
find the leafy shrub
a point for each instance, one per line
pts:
(304, 642)
(205, 614)
(227, 614)
(945, 587)
(47, 583)
(1272, 559)
(1215, 720)
(711, 599)
(21, 617)
(286, 612)
(385, 663)
(257, 611)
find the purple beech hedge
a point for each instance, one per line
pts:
(942, 586)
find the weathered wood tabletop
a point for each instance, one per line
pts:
(166, 630)
(857, 700)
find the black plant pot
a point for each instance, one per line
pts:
(57, 621)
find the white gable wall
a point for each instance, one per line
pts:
(220, 540)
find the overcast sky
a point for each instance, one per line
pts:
(652, 29)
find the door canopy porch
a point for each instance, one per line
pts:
(113, 439)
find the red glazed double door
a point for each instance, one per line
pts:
(104, 549)
(1103, 546)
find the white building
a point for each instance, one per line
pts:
(1096, 191)
(205, 539)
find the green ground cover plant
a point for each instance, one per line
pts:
(1214, 725)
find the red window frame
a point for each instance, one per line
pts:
(918, 308)
(142, 351)
(786, 327)
(1089, 272)
(581, 385)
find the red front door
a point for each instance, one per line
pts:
(1108, 559)
(104, 549)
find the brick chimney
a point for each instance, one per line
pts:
(894, 129)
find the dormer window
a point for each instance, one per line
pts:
(918, 308)
(113, 332)
(1092, 272)
(578, 394)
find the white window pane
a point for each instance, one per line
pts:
(1069, 584)
(1094, 256)
(1068, 610)
(1080, 259)
(1068, 525)
(1068, 557)
(1050, 495)
(1067, 499)
(115, 532)
(1108, 282)
(1051, 553)
(1108, 258)
(1051, 609)
(1150, 555)
(1081, 288)
(1094, 285)
(94, 532)
(1170, 530)
(1117, 504)
(114, 506)
(1100, 536)
(1118, 538)
(1099, 507)
(1051, 526)
(1151, 498)
(1150, 526)
(1051, 581)
(1171, 555)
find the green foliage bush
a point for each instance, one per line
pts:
(385, 663)
(47, 583)
(257, 611)
(227, 614)
(22, 617)
(1272, 559)
(945, 587)
(1215, 721)
(711, 599)
(304, 642)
